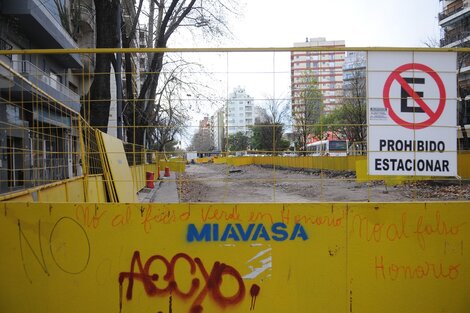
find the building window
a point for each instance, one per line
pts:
(73, 87)
(15, 161)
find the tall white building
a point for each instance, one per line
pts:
(241, 112)
(217, 124)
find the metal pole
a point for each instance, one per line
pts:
(119, 76)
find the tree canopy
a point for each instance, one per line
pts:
(307, 110)
(117, 22)
(238, 142)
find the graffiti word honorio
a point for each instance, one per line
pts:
(250, 232)
(209, 286)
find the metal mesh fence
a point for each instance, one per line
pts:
(240, 125)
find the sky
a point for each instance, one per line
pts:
(361, 23)
(268, 23)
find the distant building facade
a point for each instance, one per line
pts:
(325, 67)
(217, 124)
(241, 113)
(354, 68)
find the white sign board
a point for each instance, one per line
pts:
(412, 113)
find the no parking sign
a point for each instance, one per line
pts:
(412, 113)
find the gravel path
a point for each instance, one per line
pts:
(222, 183)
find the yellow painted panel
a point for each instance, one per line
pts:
(138, 176)
(240, 161)
(201, 160)
(96, 189)
(106, 170)
(87, 249)
(306, 162)
(408, 257)
(23, 198)
(53, 194)
(92, 190)
(463, 159)
(120, 170)
(75, 192)
(362, 176)
(221, 160)
(100, 189)
(342, 258)
(174, 165)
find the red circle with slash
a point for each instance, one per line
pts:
(433, 115)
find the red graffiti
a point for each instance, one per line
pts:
(254, 292)
(210, 286)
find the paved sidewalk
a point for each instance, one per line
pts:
(165, 191)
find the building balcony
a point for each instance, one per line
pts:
(454, 41)
(454, 12)
(40, 25)
(5, 46)
(455, 35)
(46, 83)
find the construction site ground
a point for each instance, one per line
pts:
(253, 183)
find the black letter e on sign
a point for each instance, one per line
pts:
(405, 96)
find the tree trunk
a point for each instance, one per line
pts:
(97, 111)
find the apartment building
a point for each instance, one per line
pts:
(39, 96)
(454, 20)
(217, 124)
(241, 112)
(325, 68)
(354, 69)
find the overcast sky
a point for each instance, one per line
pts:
(268, 23)
(359, 22)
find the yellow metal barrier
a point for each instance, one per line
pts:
(174, 165)
(71, 190)
(201, 160)
(363, 177)
(348, 163)
(240, 161)
(95, 189)
(220, 160)
(307, 162)
(333, 257)
(463, 159)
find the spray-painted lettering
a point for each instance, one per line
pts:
(251, 232)
(210, 283)
(59, 245)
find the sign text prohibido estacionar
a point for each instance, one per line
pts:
(412, 113)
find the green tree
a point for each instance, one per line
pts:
(350, 117)
(268, 138)
(238, 142)
(307, 109)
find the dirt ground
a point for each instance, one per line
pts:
(222, 183)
